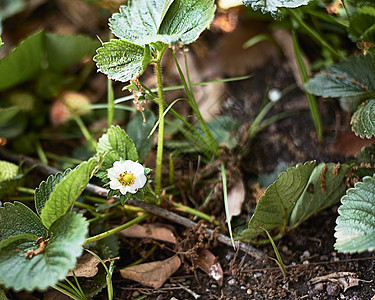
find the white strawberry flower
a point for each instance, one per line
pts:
(127, 176)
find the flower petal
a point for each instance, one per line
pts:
(140, 181)
(115, 184)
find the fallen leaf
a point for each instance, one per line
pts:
(149, 231)
(346, 280)
(348, 144)
(87, 266)
(206, 261)
(236, 197)
(152, 274)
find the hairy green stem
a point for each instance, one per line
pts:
(194, 212)
(117, 229)
(159, 153)
(111, 102)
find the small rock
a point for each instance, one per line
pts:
(324, 257)
(232, 281)
(249, 291)
(256, 275)
(319, 287)
(333, 289)
(243, 287)
(135, 294)
(305, 255)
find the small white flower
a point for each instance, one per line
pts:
(127, 176)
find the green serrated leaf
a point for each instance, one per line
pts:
(64, 51)
(362, 24)
(23, 63)
(115, 145)
(276, 205)
(273, 6)
(324, 189)
(355, 230)
(17, 219)
(10, 178)
(120, 60)
(67, 190)
(59, 256)
(42, 50)
(186, 20)
(352, 77)
(139, 129)
(139, 19)
(43, 192)
(363, 120)
(8, 113)
(180, 21)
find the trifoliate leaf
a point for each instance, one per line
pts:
(363, 120)
(17, 219)
(120, 60)
(139, 129)
(325, 188)
(355, 230)
(43, 192)
(66, 191)
(276, 205)
(144, 24)
(115, 145)
(47, 262)
(273, 6)
(352, 77)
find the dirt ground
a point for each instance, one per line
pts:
(314, 269)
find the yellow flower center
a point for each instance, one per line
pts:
(127, 178)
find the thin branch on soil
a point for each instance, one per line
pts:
(156, 210)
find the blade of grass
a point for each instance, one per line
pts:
(313, 104)
(225, 194)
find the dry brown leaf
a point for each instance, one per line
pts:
(346, 280)
(236, 197)
(348, 144)
(149, 231)
(152, 274)
(209, 264)
(87, 266)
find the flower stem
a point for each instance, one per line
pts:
(160, 100)
(117, 229)
(111, 102)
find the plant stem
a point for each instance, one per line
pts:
(192, 211)
(111, 102)
(117, 229)
(26, 190)
(296, 17)
(84, 130)
(160, 100)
